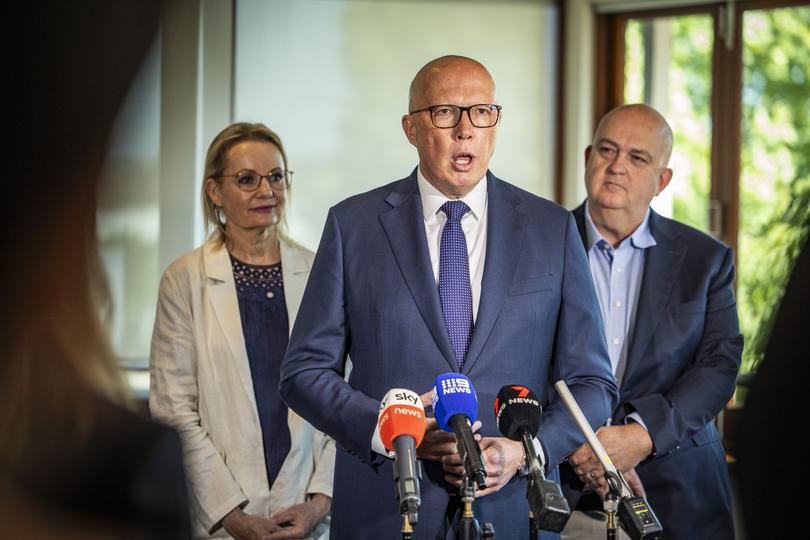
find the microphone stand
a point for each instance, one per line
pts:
(407, 529)
(548, 509)
(469, 529)
(610, 503)
(532, 527)
(634, 513)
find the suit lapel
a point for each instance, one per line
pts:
(505, 229)
(404, 226)
(294, 272)
(579, 219)
(222, 292)
(661, 266)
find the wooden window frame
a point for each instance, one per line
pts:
(726, 113)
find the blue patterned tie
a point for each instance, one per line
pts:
(454, 280)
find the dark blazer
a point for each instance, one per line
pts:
(372, 295)
(682, 365)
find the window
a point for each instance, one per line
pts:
(774, 166)
(734, 82)
(128, 218)
(668, 64)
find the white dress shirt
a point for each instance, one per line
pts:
(617, 274)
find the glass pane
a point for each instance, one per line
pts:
(775, 164)
(634, 59)
(128, 217)
(668, 64)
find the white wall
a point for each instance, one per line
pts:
(331, 77)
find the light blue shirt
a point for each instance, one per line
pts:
(617, 274)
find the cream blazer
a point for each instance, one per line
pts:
(201, 385)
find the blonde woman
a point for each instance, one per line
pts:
(256, 469)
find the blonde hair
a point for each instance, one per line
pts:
(216, 160)
(57, 363)
(59, 357)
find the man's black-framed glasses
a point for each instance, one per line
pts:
(249, 180)
(483, 115)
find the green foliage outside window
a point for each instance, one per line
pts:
(775, 166)
(774, 184)
(685, 101)
(691, 67)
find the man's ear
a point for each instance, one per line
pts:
(663, 180)
(409, 128)
(588, 153)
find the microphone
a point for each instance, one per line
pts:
(402, 428)
(517, 414)
(455, 408)
(635, 514)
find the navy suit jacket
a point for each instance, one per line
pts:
(682, 365)
(372, 295)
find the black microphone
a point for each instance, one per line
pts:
(635, 514)
(517, 413)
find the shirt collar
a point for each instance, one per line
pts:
(641, 238)
(433, 199)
